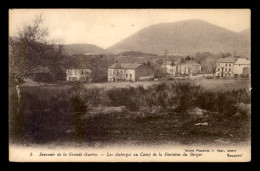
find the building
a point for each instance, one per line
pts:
(225, 66)
(188, 67)
(42, 74)
(129, 72)
(242, 67)
(170, 68)
(78, 75)
(232, 66)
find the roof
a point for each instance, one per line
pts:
(78, 69)
(170, 62)
(189, 62)
(125, 66)
(230, 59)
(242, 61)
(40, 69)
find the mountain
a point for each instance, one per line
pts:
(245, 33)
(183, 38)
(72, 49)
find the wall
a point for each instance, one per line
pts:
(188, 69)
(127, 75)
(117, 74)
(77, 74)
(228, 69)
(238, 69)
(171, 69)
(143, 72)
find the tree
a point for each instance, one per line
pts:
(213, 69)
(172, 63)
(28, 49)
(188, 58)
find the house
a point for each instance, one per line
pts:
(225, 66)
(78, 74)
(242, 67)
(41, 74)
(185, 67)
(170, 68)
(128, 72)
(188, 67)
(232, 66)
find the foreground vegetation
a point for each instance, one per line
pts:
(179, 112)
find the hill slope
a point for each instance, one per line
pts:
(72, 49)
(183, 37)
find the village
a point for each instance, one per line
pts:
(232, 67)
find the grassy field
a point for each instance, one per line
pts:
(206, 84)
(185, 112)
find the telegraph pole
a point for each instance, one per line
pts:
(165, 54)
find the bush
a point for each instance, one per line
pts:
(128, 97)
(43, 116)
(46, 114)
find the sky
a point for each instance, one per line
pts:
(105, 27)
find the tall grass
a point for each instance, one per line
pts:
(179, 97)
(46, 115)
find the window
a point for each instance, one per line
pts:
(230, 65)
(121, 72)
(218, 69)
(82, 79)
(226, 64)
(229, 69)
(72, 78)
(69, 72)
(130, 75)
(114, 71)
(126, 75)
(225, 69)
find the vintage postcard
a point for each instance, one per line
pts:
(129, 85)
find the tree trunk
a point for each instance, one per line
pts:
(18, 91)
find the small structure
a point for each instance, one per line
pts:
(129, 72)
(41, 74)
(242, 67)
(83, 75)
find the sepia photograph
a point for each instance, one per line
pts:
(129, 85)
